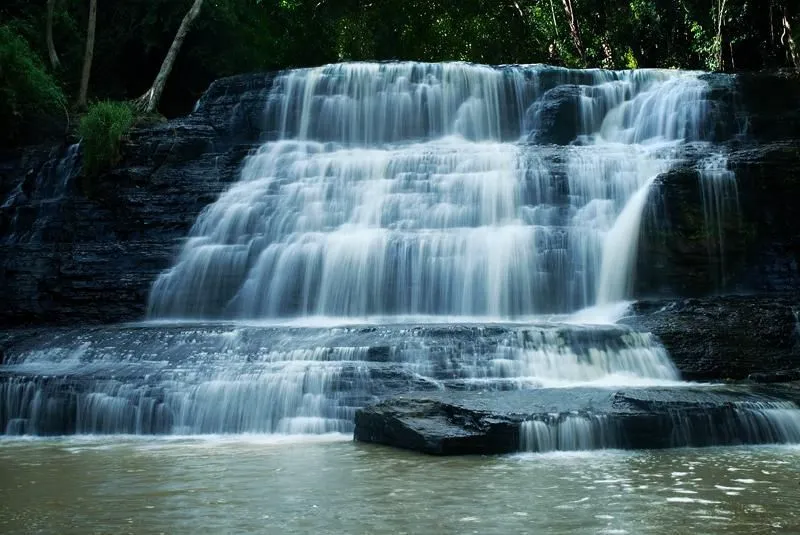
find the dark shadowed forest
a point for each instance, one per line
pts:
(58, 56)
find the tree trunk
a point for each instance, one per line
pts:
(149, 101)
(555, 25)
(574, 29)
(718, 43)
(518, 9)
(787, 41)
(51, 47)
(88, 56)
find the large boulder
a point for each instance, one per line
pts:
(554, 117)
(581, 418)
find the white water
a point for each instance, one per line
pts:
(749, 422)
(720, 198)
(390, 194)
(571, 432)
(410, 189)
(236, 379)
(619, 250)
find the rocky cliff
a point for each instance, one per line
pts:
(78, 251)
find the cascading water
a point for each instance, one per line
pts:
(749, 422)
(720, 204)
(409, 226)
(411, 189)
(237, 378)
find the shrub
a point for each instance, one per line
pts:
(27, 90)
(101, 131)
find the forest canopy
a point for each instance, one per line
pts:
(133, 37)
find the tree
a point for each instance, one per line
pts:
(51, 48)
(574, 29)
(88, 55)
(718, 38)
(148, 102)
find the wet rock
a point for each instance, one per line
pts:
(720, 338)
(554, 117)
(708, 232)
(579, 418)
(781, 376)
(90, 253)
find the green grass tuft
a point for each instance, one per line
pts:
(101, 131)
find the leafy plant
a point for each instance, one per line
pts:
(27, 90)
(101, 131)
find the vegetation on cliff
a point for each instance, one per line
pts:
(135, 41)
(101, 131)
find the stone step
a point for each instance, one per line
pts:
(451, 423)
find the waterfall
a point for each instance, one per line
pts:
(405, 226)
(619, 249)
(236, 379)
(410, 189)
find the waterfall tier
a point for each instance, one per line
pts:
(236, 379)
(583, 419)
(424, 189)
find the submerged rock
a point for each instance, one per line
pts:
(581, 418)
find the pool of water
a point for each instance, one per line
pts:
(329, 484)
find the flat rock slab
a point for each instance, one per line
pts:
(455, 423)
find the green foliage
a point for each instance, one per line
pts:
(629, 60)
(27, 90)
(234, 36)
(101, 131)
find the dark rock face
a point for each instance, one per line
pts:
(720, 338)
(556, 116)
(541, 420)
(711, 231)
(772, 104)
(75, 250)
(752, 242)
